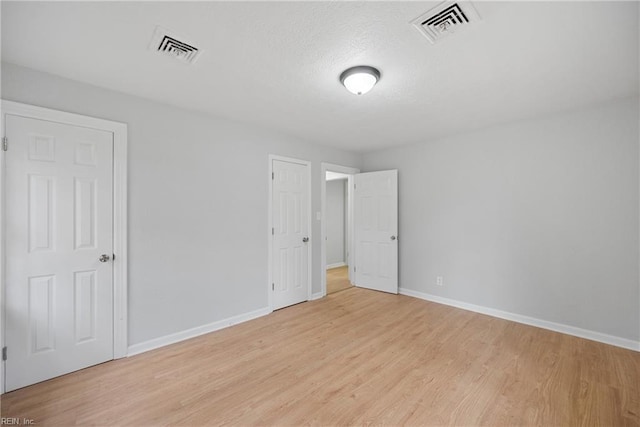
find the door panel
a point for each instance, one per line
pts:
(59, 296)
(290, 227)
(376, 229)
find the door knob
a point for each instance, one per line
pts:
(104, 258)
(393, 237)
(305, 239)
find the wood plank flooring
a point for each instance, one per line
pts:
(356, 357)
(338, 279)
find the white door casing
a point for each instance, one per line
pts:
(290, 233)
(376, 230)
(63, 309)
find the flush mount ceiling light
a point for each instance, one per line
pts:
(360, 80)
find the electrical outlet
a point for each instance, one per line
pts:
(439, 281)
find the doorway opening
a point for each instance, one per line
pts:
(337, 227)
(337, 230)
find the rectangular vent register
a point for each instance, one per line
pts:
(167, 43)
(445, 19)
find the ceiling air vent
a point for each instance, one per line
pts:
(445, 19)
(167, 43)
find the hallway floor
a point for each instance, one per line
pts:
(338, 279)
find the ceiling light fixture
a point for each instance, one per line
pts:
(360, 80)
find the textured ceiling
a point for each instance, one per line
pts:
(277, 64)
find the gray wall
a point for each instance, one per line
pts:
(538, 218)
(336, 221)
(198, 202)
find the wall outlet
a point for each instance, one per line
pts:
(439, 281)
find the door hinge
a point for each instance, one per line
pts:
(113, 258)
(5, 143)
(354, 268)
(273, 288)
(273, 231)
(4, 353)
(273, 175)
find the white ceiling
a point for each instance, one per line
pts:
(277, 64)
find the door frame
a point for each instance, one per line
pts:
(270, 224)
(324, 168)
(120, 285)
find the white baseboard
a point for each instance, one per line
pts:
(194, 332)
(532, 321)
(315, 296)
(336, 265)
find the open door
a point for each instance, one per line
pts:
(376, 230)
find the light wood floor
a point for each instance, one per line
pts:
(357, 357)
(338, 279)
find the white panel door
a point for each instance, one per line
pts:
(376, 230)
(290, 233)
(59, 296)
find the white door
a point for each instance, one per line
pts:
(59, 296)
(376, 230)
(290, 233)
